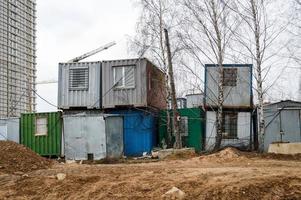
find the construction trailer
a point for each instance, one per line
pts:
(79, 85)
(132, 83)
(10, 129)
(237, 123)
(17, 57)
(181, 103)
(282, 123)
(42, 132)
(92, 135)
(192, 128)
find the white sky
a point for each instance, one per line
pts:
(69, 28)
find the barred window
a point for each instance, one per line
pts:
(79, 79)
(229, 126)
(229, 77)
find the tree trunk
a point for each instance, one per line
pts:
(178, 142)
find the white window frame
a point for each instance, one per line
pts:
(123, 86)
(36, 126)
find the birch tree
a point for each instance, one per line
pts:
(206, 37)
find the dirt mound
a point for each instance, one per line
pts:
(18, 158)
(226, 155)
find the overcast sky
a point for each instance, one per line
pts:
(69, 28)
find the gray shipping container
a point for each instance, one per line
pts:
(79, 85)
(195, 100)
(237, 85)
(10, 129)
(91, 134)
(132, 82)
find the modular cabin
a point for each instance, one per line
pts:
(92, 135)
(237, 105)
(42, 132)
(10, 129)
(132, 83)
(282, 123)
(79, 85)
(192, 127)
(195, 100)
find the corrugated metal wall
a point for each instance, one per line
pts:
(235, 96)
(285, 116)
(10, 129)
(90, 98)
(45, 145)
(136, 96)
(114, 136)
(244, 128)
(139, 131)
(196, 127)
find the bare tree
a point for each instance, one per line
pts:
(149, 41)
(206, 37)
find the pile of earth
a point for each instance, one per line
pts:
(226, 155)
(18, 158)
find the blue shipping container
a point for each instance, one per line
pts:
(139, 131)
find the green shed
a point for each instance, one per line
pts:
(42, 132)
(192, 127)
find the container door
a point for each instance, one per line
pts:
(3, 131)
(114, 136)
(290, 125)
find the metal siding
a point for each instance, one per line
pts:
(117, 97)
(139, 131)
(194, 100)
(90, 98)
(243, 131)
(49, 145)
(12, 129)
(84, 134)
(237, 96)
(114, 136)
(196, 124)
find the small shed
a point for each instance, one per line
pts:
(282, 122)
(192, 127)
(10, 129)
(92, 135)
(140, 128)
(42, 132)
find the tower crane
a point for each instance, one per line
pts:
(79, 58)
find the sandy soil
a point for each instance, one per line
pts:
(207, 177)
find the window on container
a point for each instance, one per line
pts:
(79, 79)
(229, 126)
(124, 76)
(229, 77)
(41, 126)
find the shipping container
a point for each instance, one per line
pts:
(192, 126)
(86, 137)
(132, 82)
(195, 100)
(282, 123)
(79, 85)
(140, 129)
(10, 129)
(42, 132)
(237, 84)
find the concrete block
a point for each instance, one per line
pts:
(285, 148)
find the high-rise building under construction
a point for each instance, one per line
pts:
(17, 57)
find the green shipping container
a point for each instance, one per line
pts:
(42, 132)
(192, 127)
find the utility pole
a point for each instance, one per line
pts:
(178, 142)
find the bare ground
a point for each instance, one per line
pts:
(225, 175)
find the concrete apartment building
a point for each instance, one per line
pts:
(17, 57)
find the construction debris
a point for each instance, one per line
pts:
(174, 193)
